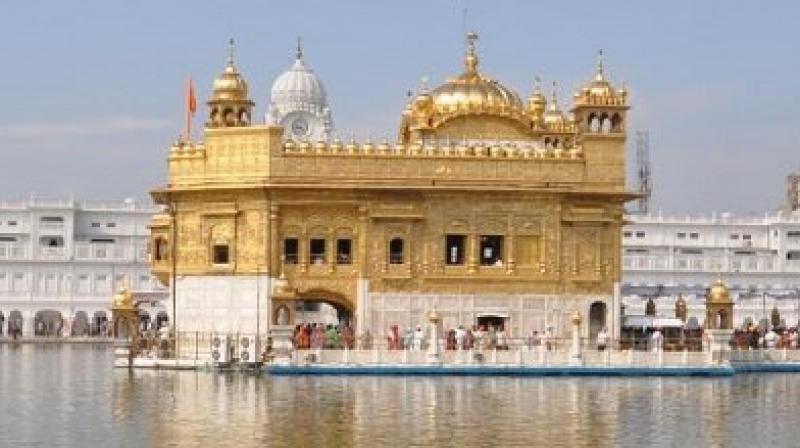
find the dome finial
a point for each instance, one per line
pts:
(299, 51)
(231, 50)
(554, 103)
(471, 61)
(600, 67)
(537, 85)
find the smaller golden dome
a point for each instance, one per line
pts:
(230, 85)
(336, 146)
(536, 102)
(320, 146)
(554, 116)
(123, 300)
(599, 85)
(289, 145)
(305, 146)
(719, 292)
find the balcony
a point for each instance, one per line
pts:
(13, 251)
(110, 252)
(52, 252)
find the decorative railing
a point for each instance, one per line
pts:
(384, 149)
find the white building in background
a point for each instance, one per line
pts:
(758, 257)
(61, 262)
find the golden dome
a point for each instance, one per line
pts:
(719, 293)
(599, 85)
(123, 300)
(231, 85)
(472, 92)
(554, 116)
(537, 101)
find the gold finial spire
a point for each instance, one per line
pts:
(600, 76)
(231, 51)
(299, 50)
(537, 85)
(471, 61)
(554, 96)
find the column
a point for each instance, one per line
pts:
(275, 249)
(363, 226)
(509, 253)
(472, 251)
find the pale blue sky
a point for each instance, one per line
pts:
(92, 89)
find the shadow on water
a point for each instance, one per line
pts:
(69, 396)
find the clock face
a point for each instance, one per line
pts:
(300, 127)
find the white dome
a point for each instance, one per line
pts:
(298, 86)
(298, 95)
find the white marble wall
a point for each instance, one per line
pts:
(524, 313)
(223, 304)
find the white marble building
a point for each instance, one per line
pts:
(62, 260)
(757, 256)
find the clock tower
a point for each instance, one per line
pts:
(299, 103)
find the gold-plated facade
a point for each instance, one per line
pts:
(543, 197)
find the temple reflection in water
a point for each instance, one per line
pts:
(365, 411)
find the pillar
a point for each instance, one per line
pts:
(275, 249)
(576, 356)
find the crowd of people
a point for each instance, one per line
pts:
(758, 337)
(417, 338)
(319, 336)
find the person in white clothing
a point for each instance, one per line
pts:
(771, 339)
(419, 338)
(460, 336)
(656, 340)
(602, 340)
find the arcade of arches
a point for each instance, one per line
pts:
(53, 323)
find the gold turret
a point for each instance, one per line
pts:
(536, 103)
(229, 105)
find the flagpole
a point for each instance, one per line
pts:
(189, 111)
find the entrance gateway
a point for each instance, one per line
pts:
(496, 320)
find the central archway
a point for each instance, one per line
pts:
(323, 306)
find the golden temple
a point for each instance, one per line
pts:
(485, 206)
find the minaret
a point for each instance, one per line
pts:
(229, 105)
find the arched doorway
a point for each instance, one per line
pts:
(80, 325)
(162, 320)
(322, 319)
(99, 323)
(597, 318)
(325, 307)
(144, 321)
(47, 323)
(15, 324)
(2, 322)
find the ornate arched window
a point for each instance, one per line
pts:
(396, 251)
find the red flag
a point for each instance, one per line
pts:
(191, 99)
(191, 108)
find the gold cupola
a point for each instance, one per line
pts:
(554, 117)
(719, 292)
(229, 105)
(536, 102)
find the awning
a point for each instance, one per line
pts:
(493, 314)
